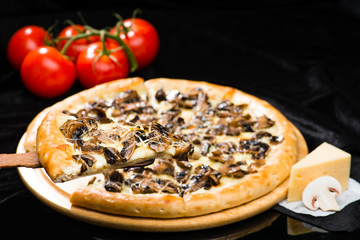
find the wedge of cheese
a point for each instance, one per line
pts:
(325, 160)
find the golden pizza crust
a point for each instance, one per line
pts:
(248, 188)
(53, 150)
(147, 205)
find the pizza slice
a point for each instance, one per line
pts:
(69, 146)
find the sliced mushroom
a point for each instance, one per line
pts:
(273, 139)
(127, 151)
(227, 147)
(174, 124)
(90, 123)
(218, 157)
(129, 146)
(263, 122)
(138, 174)
(232, 124)
(73, 129)
(157, 142)
(225, 105)
(262, 134)
(86, 161)
(321, 193)
(144, 163)
(205, 177)
(184, 164)
(261, 151)
(90, 145)
(257, 149)
(186, 103)
(129, 96)
(217, 129)
(185, 170)
(167, 186)
(195, 98)
(112, 155)
(96, 112)
(159, 128)
(100, 103)
(205, 147)
(113, 181)
(133, 107)
(276, 139)
(140, 135)
(167, 117)
(239, 120)
(159, 138)
(232, 168)
(183, 175)
(129, 101)
(183, 151)
(201, 102)
(160, 95)
(154, 186)
(164, 166)
(103, 136)
(133, 179)
(215, 177)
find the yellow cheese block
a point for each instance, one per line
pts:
(325, 160)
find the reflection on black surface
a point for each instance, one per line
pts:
(35, 219)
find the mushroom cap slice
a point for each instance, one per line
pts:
(321, 193)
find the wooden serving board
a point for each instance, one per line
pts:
(57, 197)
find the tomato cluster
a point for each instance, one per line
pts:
(49, 66)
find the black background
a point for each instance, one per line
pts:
(301, 56)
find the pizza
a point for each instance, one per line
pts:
(211, 147)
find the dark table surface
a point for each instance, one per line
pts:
(301, 56)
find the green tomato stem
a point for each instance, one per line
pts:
(128, 52)
(72, 39)
(103, 35)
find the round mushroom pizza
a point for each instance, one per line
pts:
(165, 148)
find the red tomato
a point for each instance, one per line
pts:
(142, 39)
(23, 41)
(93, 70)
(47, 73)
(78, 45)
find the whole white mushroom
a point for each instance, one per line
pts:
(321, 193)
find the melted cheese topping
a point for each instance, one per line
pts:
(198, 158)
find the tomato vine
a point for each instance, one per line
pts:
(106, 34)
(91, 55)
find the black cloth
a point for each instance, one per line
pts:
(301, 56)
(345, 220)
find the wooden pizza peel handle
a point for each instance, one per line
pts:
(29, 159)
